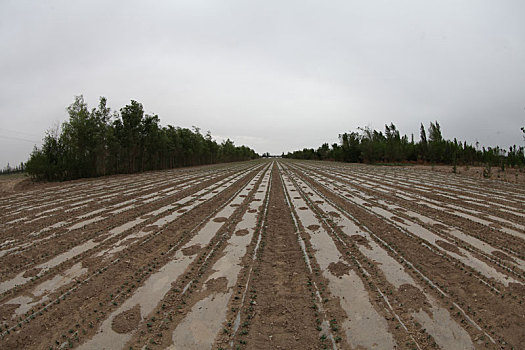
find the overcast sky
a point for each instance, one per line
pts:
(274, 75)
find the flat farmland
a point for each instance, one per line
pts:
(268, 254)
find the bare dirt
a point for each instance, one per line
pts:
(279, 311)
(13, 183)
(221, 257)
(191, 250)
(127, 320)
(501, 255)
(242, 232)
(313, 227)
(339, 269)
(412, 298)
(217, 284)
(222, 219)
(512, 175)
(448, 246)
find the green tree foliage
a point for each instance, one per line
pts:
(99, 142)
(349, 147)
(436, 144)
(423, 144)
(372, 146)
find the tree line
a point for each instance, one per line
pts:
(101, 142)
(13, 170)
(372, 146)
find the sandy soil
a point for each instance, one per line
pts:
(12, 183)
(265, 255)
(513, 175)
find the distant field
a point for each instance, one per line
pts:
(265, 254)
(4, 177)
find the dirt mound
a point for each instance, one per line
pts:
(398, 219)
(449, 247)
(360, 239)
(15, 184)
(242, 232)
(127, 321)
(217, 284)
(192, 250)
(412, 297)
(440, 227)
(31, 272)
(339, 269)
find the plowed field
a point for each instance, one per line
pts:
(265, 255)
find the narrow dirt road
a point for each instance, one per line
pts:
(279, 304)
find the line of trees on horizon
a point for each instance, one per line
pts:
(8, 169)
(100, 142)
(372, 146)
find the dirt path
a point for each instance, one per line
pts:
(282, 316)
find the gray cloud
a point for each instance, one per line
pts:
(276, 75)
